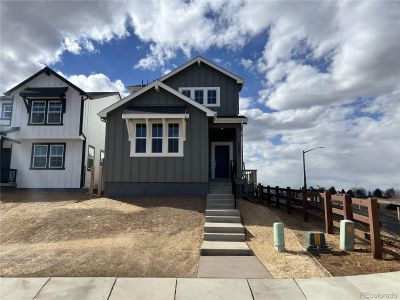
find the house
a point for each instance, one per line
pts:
(51, 135)
(175, 134)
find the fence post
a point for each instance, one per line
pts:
(328, 213)
(347, 209)
(269, 194)
(305, 206)
(288, 200)
(260, 194)
(100, 183)
(277, 196)
(374, 227)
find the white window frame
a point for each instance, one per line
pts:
(57, 155)
(205, 94)
(157, 137)
(44, 113)
(101, 157)
(131, 126)
(33, 156)
(90, 157)
(140, 137)
(48, 111)
(173, 137)
(7, 111)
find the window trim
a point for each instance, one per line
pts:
(2, 111)
(47, 156)
(47, 112)
(46, 108)
(131, 126)
(205, 94)
(94, 157)
(157, 137)
(173, 137)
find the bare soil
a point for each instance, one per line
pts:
(68, 234)
(335, 261)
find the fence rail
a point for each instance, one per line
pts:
(328, 208)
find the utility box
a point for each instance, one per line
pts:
(279, 238)
(346, 235)
(315, 241)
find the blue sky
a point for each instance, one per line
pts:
(316, 73)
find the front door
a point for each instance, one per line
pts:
(221, 161)
(5, 158)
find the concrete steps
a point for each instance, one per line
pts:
(224, 237)
(220, 197)
(221, 201)
(223, 227)
(221, 206)
(222, 212)
(223, 219)
(225, 248)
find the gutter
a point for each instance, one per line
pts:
(83, 142)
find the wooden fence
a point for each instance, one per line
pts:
(329, 209)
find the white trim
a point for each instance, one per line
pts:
(154, 116)
(200, 60)
(155, 84)
(33, 156)
(44, 113)
(48, 111)
(230, 120)
(213, 164)
(57, 155)
(3, 105)
(205, 94)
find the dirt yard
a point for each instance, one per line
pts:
(295, 262)
(67, 234)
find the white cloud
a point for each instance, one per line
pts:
(246, 63)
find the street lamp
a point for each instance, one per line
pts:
(304, 165)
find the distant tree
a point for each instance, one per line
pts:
(321, 189)
(390, 193)
(378, 193)
(311, 188)
(332, 190)
(343, 192)
(350, 192)
(369, 194)
(361, 193)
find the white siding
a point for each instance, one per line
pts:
(95, 130)
(67, 178)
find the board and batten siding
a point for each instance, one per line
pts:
(191, 168)
(204, 76)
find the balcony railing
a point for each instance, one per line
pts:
(8, 175)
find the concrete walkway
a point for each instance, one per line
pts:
(374, 286)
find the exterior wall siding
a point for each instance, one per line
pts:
(191, 168)
(205, 76)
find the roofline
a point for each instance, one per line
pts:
(155, 84)
(107, 94)
(45, 70)
(200, 59)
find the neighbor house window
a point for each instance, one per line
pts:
(48, 156)
(56, 156)
(101, 157)
(140, 138)
(173, 138)
(91, 154)
(212, 97)
(198, 96)
(54, 112)
(208, 96)
(156, 138)
(7, 111)
(38, 112)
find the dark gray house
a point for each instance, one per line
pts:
(176, 134)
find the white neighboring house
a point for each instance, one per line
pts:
(50, 132)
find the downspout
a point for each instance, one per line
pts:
(241, 152)
(83, 142)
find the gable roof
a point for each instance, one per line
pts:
(96, 95)
(155, 84)
(200, 59)
(47, 71)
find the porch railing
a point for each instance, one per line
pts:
(250, 181)
(233, 179)
(8, 175)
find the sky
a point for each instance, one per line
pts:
(316, 73)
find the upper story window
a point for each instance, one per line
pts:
(48, 156)
(6, 111)
(91, 155)
(208, 96)
(46, 112)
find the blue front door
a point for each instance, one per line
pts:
(222, 161)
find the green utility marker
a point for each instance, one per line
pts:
(315, 241)
(279, 238)
(346, 235)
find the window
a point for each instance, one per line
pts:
(173, 138)
(56, 157)
(101, 157)
(187, 93)
(208, 96)
(156, 138)
(212, 97)
(7, 111)
(38, 111)
(54, 112)
(198, 96)
(48, 156)
(91, 154)
(140, 138)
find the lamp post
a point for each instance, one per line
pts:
(304, 165)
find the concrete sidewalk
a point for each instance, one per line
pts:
(374, 286)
